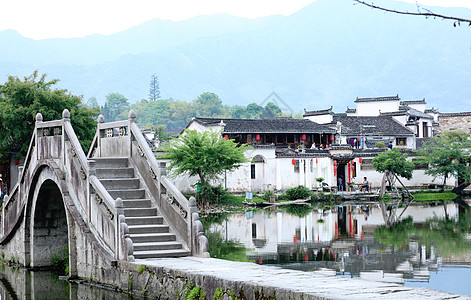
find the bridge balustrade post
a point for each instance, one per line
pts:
(119, 206)
(131, 119)
(39, 119)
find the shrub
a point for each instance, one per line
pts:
(380, 145)
(299, 192)
(266, 196)
(211, 194)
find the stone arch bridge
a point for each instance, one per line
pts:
(110, 206)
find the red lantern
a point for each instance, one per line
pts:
(349, 173)
(361, 160)
(226, 136)
(17, 161)
(335, 168)
(303, 137)
(331, 137)
(257, 137)
(293, 161)
(316, 160)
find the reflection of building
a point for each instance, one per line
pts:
(340, 240)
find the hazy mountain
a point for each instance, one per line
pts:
(326, 54)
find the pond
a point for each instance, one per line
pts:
(18, 283)
(425, 250)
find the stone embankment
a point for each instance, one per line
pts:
(170, 278)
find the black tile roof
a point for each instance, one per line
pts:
(350, 110)
(378, 125)
(416, 113)
(409, 102)
(457, 114)
(374, 99)
(277, 125)
(318, 112)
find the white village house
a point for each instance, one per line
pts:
(289, 152)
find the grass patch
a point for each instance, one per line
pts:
(433, 197)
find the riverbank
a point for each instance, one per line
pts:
(175, 276)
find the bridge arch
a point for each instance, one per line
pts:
(48, 222)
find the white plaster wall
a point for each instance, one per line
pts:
(201, 128)
(419, 107)
(321, 119)
(373, 108)
(418, 179)
(401, 119)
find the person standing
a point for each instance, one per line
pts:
(365, 185)
(340, 183)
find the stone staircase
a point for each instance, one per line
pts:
(149, 232)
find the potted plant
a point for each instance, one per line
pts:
(320, 180)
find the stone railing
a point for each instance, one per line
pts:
(111, 219)
(124, 139)
(55, 145)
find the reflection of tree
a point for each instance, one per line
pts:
(447, 236)
(229, 250)
(299, 210)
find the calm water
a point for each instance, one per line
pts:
(17, 283)
(425, 250)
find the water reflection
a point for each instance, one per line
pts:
(350, 241)
(17, 283)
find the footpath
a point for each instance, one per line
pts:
(252, 281)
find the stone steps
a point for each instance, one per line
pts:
(144, 220)
(170, 245)
(114, 173)
(159, 228)
(121, 183)
(150, 235)
(137, 203)
(161, 253)
(140, 211)
(128, 194)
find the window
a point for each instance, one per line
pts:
(296, 166)
(401, 141)
(269, 139)
(280, 139)
(252, 171)
(249, 139)
(290, 138)
(424, 129)
(254, 230)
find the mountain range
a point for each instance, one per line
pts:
(326, 54)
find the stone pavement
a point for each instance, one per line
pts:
(287, 284)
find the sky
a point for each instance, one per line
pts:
(77, 18)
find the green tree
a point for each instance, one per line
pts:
(205, 155)
(21, 100)
(92, 103)
(208, 105)
(115, 105)
(154, 90)
(447, 155)
(238, 112)
(271, 110)
(254, 111)
(393, 161)
(393, 164)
